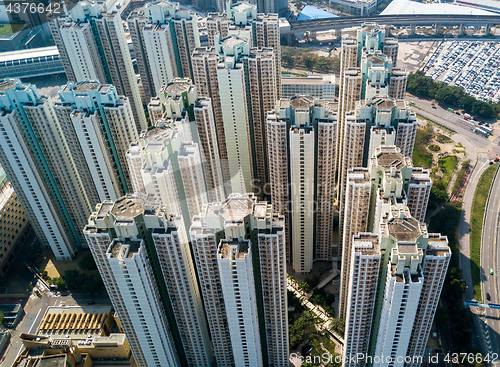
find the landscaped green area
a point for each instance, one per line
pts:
(434, 148)
(443, 138)
(423, 86)
(421, 156)
(8, 29)
(460, 176)
(447, 166)
(306, 59)
(453, 318)
(477, 215)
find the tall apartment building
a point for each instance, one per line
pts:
(36, 159)
(96, 46)
(301, 147)
(319, 87)
(241, 39)
(379, 121)
(205, 61)
(399, 80)
(234, 257)
(14, 224)
(99, 126)
(365, 72)
(365, 260)
(395, 173)
(166, 163)
(239, 250)
(398, 250)
(143, 256)
(274, 6)
(163, 37)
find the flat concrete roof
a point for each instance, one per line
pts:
(400, 7)
(31, 53)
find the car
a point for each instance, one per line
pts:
(91, 302)
(491, 162)
(434, 107)
(491, 271)
(497, 159)
(488, 297)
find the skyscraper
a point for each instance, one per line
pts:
(143, 256)
(301, 145)
(366, 73)
(97, 49)
(395, 255)
(38, 163)
(168, 162)
(396, 173)
(239, 250)
(164, 37)
(99, 127)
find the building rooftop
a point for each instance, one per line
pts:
(7, 84)
(302, 102)
(127, 207)
(376, 58)
(233, 249)
(404, 229)
(74, 322)
(384, 103)
(177, 87)
(124, 249)
(58, 360)
(311, 12)
(402, 7)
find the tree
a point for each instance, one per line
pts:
(305, 287)
(338, 325)
(441, 317)
(87, 263)
(2, 318)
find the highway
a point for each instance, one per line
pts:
(396, 20)
(480, 150)
(490, 258)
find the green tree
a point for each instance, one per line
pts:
(338, 325)
(87, 263)
(2, 318)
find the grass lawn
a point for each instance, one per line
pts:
(421, 156)
(8, 29)
(447, 166)
(443, 138)
(477, 215)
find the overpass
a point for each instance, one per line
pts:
(412, 20)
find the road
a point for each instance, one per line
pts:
(397, 20)
(490, 258)
(480, 150)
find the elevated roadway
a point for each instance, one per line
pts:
(411, 20)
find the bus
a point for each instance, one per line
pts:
(451, 109)
(483, 131)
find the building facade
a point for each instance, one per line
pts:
(240, 243)
(97, 49)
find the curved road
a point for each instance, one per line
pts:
(480, 150)
(490, 258)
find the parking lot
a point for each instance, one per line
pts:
(473, 65)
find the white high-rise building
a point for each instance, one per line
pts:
(36, 159)
(164, 37)
(164, 282)
(317, 86)
(233, 97)
(253, 234)
(391, 319)
(302, 197)
(234, 258)
(174, 161)
(139, 311)
(301, 154)
(99, 127)
(96, 46)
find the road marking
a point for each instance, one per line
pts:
(33, 324)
